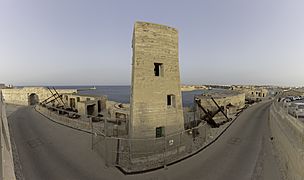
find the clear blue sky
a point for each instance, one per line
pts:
(73, 42)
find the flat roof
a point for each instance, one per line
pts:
(85, 95)
(219, 94)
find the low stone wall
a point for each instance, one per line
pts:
(74, 123)
(20, 96)
(84, 123)
(6, 158)
(288, 134)
(236, 100)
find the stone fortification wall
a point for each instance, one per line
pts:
(288, 138)
(294, 92)
(20, 96)
(234, 102)
(252, 93)
(193, 87)
(6, 158)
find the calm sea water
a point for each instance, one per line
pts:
(122, 93)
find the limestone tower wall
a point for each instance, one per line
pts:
(156, 102)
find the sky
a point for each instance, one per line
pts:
(88, 42)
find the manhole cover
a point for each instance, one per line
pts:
(234, 141)
(34, 143)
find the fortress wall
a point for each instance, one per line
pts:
(20, 96)
(15, 96)
(253, 93)
(237, 101)
(288, 133)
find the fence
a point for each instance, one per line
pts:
(138, 155)
(110, 141)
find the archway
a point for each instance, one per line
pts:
(33, 99)
(91, 109)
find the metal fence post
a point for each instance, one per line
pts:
(180, 142)
(205, 132)
(106, 142)
(165, 151)
(130, 151)
(195, 111)
(118, 152)
(106, 152)
(92, 133)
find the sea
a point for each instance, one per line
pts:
(122, 93)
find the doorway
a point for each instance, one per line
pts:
(33, 99)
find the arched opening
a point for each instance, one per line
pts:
(33, 99)
(91, 110)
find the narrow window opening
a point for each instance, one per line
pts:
(99, 106)
(78, 99)
(158, 69)
(171, 100)
(160, 132)
(72, 103)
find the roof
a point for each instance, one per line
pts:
(219, 94)
(142, 23)
(87, 95)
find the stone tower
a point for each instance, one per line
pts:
(156, 103)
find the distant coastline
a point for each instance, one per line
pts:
(121, 93)
(185, 88)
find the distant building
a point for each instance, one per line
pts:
(30, 95)
(86, 105)
(251, 92)
(2, 86)
(231, 101)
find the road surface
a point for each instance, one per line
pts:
(51, 151)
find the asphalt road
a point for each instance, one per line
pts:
(51, 151)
